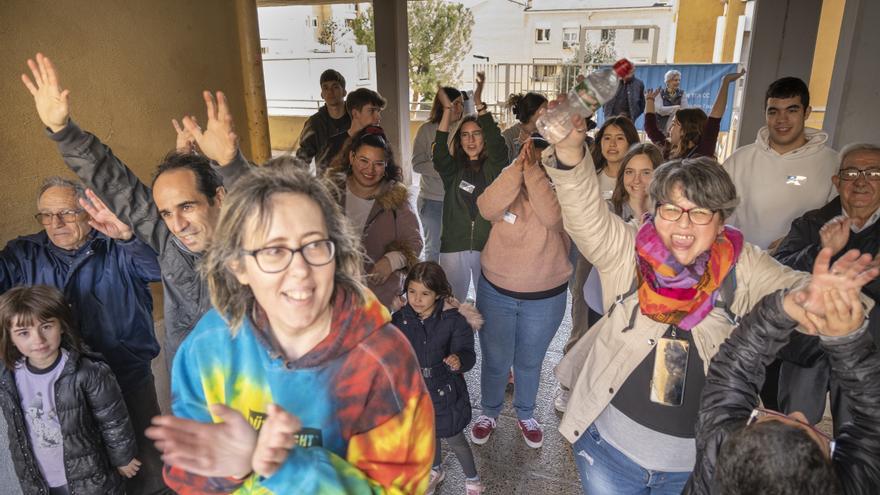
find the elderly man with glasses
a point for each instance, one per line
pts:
(104, 273)
(849, 221)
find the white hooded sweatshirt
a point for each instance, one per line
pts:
(775, 189)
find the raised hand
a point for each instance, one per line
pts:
(186, 142)
(478, 91)
(277, 438)
(850, 271)
(206, 449)
(444, 98)
(650, 94)
(570, 149)
(835, 233)
(733, 76)
(103, 220)
(219, 142)
(53, 103)
(130, 469)
(844, 313)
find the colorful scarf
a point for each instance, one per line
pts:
(682, 295)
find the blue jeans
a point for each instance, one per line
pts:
(431, 215)
(606, 470)
(516, 332)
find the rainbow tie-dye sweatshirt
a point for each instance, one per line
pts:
(367, 419)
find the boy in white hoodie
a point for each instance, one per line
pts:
(786, 171)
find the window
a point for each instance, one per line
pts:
(608, 34)
(640, 35)
(544, 72)
(570, 37)
(542, 35)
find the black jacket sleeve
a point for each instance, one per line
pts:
(855, 365)
(798, 249)
(108, 408)
(735, 378)
(463, 345)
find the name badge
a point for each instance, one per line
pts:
(509, 217)
(795, 180)
(606, 195)
(467, 186)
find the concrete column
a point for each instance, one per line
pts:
(252, 78)
(392, 74)
(853, 99)
(783, 41)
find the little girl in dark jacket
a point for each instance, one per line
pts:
(441, 331)
(68, 427)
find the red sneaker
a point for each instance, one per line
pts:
(532, 432)
(482, 429)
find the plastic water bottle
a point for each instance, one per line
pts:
(595, 90)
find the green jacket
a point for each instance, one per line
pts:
(459, 232)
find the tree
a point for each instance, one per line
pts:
(330, 33)
(439, 38)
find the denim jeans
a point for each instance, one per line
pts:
(516, 332)
(431, 215)
(605, 470)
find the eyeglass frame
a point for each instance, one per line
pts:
(292, 252)
(658, 204)
(60, 215)
(373, 164)
(759, 411)
(860, 173)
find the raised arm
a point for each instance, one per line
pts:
(542, 196)
(721, 100)
(651, 128)
(502, 192)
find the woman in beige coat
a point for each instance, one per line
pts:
(674, 286)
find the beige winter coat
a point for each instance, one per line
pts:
(597, 366)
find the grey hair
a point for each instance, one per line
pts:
(250, 203)
(670, 74)
(57, 181)
(853, 147)
(702, 180)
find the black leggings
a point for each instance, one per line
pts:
(462, 449)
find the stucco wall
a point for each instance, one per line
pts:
(131, 67)
(695, 30)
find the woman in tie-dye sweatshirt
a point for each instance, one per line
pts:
(292, 326)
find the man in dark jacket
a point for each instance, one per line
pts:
(785, 454)
(177, 216)
(629, 100)
(364, 107)
(849, 221)
(104, 273)
(329, 120)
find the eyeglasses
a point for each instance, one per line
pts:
(697, 216)
(472, 135)
(66, 216)
(275, 259)
(760, 412)
(365, 162)
(851, 174)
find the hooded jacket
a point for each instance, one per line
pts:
(462, 231)
(107, 283)
(775, 189)
(367, 420)
(186, 296)
(449, 330)
(391, 226)
(95, 427)
(737, 374)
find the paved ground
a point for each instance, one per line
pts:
(505, 463)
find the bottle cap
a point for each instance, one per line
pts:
(623, 68)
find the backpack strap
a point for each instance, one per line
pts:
(726, 296)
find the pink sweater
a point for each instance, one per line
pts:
(531, 253)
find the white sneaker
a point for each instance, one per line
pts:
(561, 400)
(473, 487)
(437, 477)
